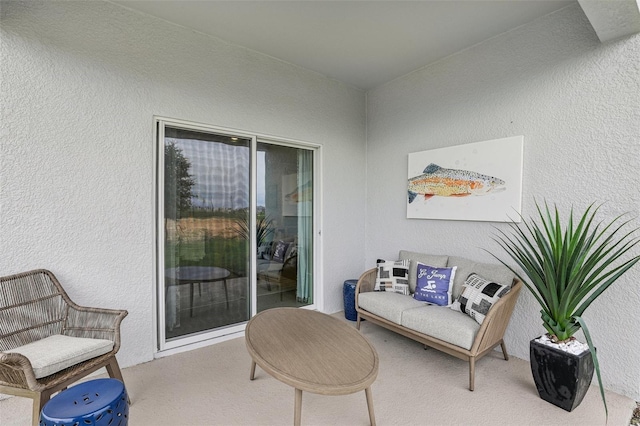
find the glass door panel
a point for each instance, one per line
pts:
(206, 239)
(284, 226)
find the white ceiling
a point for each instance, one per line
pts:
(361, 43)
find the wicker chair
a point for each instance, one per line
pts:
(34, 306)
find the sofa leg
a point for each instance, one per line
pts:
(358, 322)
(472, 373)
(504, 350)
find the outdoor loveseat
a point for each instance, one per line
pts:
(440, 327)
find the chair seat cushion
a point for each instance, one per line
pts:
(57, 352)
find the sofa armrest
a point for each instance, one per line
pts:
(495, 323)
(367, 281)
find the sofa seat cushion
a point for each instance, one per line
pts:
(57, 352)
(442, 323)
(269, 266)
(387, 304)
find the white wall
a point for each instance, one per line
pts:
(576, 103)
(81, 82)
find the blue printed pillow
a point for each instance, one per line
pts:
(279, 251)
(433, 285)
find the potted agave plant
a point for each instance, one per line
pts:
(566, 268)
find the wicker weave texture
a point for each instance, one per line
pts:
(33, 305)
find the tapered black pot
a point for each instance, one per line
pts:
(561, 378)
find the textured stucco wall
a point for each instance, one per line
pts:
(576, 103)
(81, 82)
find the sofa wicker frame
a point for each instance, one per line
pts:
(33, 306)
(489, 335)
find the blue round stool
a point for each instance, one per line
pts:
(96, 402)
(349, 295)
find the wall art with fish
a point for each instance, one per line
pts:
(293, 195)
(479, 181)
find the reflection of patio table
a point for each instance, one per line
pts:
(195, 275)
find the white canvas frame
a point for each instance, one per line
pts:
(500, 158)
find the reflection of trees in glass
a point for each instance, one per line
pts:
(178, 182)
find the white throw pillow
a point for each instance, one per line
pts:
(392, 276)
(57, 352)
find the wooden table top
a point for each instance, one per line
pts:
(311, 351)
(191, 274)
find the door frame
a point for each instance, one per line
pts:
(205, 338)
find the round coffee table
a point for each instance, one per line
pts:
(312, 352)
(195, 275)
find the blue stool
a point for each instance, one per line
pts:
(99, 402)
(349, 295)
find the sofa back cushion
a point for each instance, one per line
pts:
(437, 261)
(490, 271)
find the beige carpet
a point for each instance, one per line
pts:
(211, 386)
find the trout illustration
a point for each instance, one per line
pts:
(301, 193)
(436, 180)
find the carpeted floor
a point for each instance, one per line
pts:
(211, 386)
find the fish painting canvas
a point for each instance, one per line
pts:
(480, 181)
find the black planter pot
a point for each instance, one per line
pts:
(562, 378)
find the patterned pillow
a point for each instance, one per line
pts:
(392, 276)
(279, 251)
(478, 296)
(433, 285)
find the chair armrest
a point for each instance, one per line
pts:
(95, 323)
(16, 371)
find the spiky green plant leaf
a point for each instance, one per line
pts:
(568, 268)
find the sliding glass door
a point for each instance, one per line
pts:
(284, 226)
(235, 229)
(206, 254)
